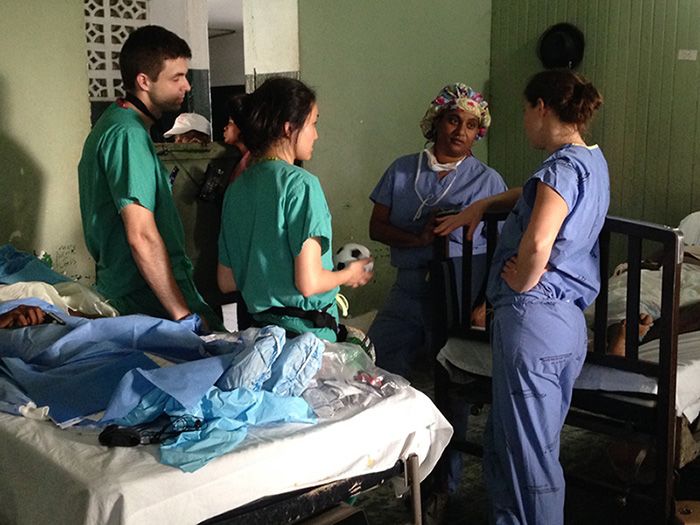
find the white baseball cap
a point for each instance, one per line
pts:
(189, 122)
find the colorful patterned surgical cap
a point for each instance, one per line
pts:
(456, 96)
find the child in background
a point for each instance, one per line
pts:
(232, 137)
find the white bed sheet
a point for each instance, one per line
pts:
(650, 296)
(474, 357)
(57, 476)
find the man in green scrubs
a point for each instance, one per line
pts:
(130, 222)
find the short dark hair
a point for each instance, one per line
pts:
(573, 98)
(145, 51)
(234, 106)
(262, 114)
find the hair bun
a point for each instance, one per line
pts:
(570, 95)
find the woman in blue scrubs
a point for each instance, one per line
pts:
(544, 274)
(443, 176)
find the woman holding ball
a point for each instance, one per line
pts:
(276, 237)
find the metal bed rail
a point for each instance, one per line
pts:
(319, 504)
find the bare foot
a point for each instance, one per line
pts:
(616, 334)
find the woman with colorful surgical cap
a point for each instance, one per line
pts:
(444, 176)
(544, 273)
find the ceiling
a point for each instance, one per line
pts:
(225, 16)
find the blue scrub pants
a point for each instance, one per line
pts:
(401, 334)
(538, 351)
(401, 330)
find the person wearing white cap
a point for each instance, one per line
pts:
(190, 128)
(131, 225)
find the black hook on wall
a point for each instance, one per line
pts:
(561, 45)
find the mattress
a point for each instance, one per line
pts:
(59, 476)
(474, 357)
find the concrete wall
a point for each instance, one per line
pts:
(226, 60)
(44, 118)
(271, 36)
(376, 66)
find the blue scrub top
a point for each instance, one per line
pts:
(399, 190)
(580, 175)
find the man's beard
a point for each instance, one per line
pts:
(167, 106)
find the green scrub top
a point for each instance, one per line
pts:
(268, 213)
(119, 166)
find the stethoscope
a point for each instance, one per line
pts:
(426, 201)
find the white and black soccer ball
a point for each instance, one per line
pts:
(351, 252)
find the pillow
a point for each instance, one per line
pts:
(690, 226)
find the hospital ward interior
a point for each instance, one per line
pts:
(346, 202)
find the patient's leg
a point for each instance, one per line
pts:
(617, 333)
(688, 320)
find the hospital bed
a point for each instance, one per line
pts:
(64, 476)
(280, 473)
(651, 395)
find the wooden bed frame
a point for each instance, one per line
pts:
(654, 422)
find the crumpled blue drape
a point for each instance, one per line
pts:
(16, 266)
(224, 418)
(262, 384)
(75, 368)
(90, 365)
(295, 367)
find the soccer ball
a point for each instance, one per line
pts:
(351, 252)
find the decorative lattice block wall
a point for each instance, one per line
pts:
(107, 25)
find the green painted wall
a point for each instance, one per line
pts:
(376, 66)
(649, 126)
(44, 117)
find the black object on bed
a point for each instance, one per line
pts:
(652, 422)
